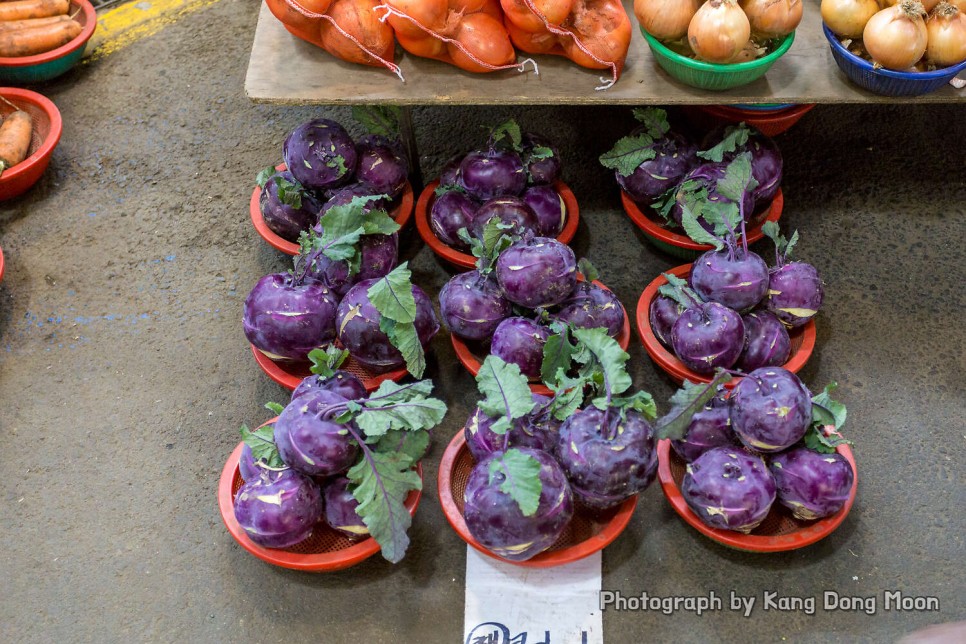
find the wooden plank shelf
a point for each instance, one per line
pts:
(285, 70)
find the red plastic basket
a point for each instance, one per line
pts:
(657, 231)
(469, 357)
(802, 338)
(465, 260)
(780, 531)
(324, 551)
(586, 534)
(47, 128)
(289, 373)
(771, 123)
(402, 213)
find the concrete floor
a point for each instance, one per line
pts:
(124, 374)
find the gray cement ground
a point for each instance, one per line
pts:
(124, 374)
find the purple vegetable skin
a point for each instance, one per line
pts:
(540, 172)
(286, 320)
(770, 409)
(734, 277)
(810, 484)
(496, 521)
(307, 439)
(450, 174)
(508, 210)
(379, 255)
(662, 314)
(278, 512)
(492, 173)
(548, 207)
(284, 220)
(795, 293)
(333, 274)
(707, 175)
(607, 459)
(451, 212)
(728, 488)
(708, 336)
(520, 341)
(341, 382)
(766, 162)
(382, 166)
(472, 306)
(592, 307)
(320, 154)
(250, 469)
(358, 327)
(675, 156)
(709, 428)
(766, 342)
(541, 272)
(344, 195)
(537, 430)
(340, 509)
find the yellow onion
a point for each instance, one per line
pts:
(896, 37)
(666, 19)
(772, 18)
(946, 30)
(959, 4)
(928, 5)
(719, 31)
(847, 18)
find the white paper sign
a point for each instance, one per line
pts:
(507, 604)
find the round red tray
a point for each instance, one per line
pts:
(402, 213)
(290, 374)
(465, 260)
(325, 550)
(471, 360)
(780, 531)
(44, 137)
(802, 338)
(770, 123)
(585, 535)
(679, 244)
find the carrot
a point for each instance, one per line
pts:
(15, 25)
(15, 135)
(27, 9)
(37, 40)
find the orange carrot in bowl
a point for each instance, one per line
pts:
(28, 9)
(37, 40)
(16, 25)
(15, 135)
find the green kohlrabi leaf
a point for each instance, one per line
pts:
(641, 401)
(497, 237)
(824, 439)
(396, 441)
(654, 120)
(378, 119)
(558, 352)
(264, 175)
(392, 295)
(412, 415)
(782, 246)
(540, 152)
(506, 394)
(262, 443)
(509, 132)
(588, 270)
(443, 189)
(686, 402)
(289, 192)
(826, 411)
(628, 153)
(599, 355)
(738, 178)
(694, 230)
(390, 392)
(381, 483)
(518, 475)
(403, 336)
(274, 407)
(678, 290)
(326, 361)
(337, 163)
(342, 226)
(735, 137)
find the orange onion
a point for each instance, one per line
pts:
(946, 30)
(847, 18)
(959, 4)
(772, 18)
(719, 31)
(896, 37)
(666, 19)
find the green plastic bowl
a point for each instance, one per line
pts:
(711, 76)
(29, 70)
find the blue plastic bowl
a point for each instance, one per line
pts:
(885, 81)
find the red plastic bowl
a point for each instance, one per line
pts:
(465, 260)
(401, 214)
(290, 374)
(657, 232)
(47, 128)
(802, 338)
(769, 123)
(325, 551)
(51, 64)
(470, 359)
(585, 535)
(780, 531)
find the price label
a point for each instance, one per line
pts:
(507, 604)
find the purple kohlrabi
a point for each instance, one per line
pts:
(810, 484)
(728, 488)
(770, 409)
(520, 341)
(766, 342)
(537, 273)
(278, 512)
(472, 306)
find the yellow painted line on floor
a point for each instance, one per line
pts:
(129, 23)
